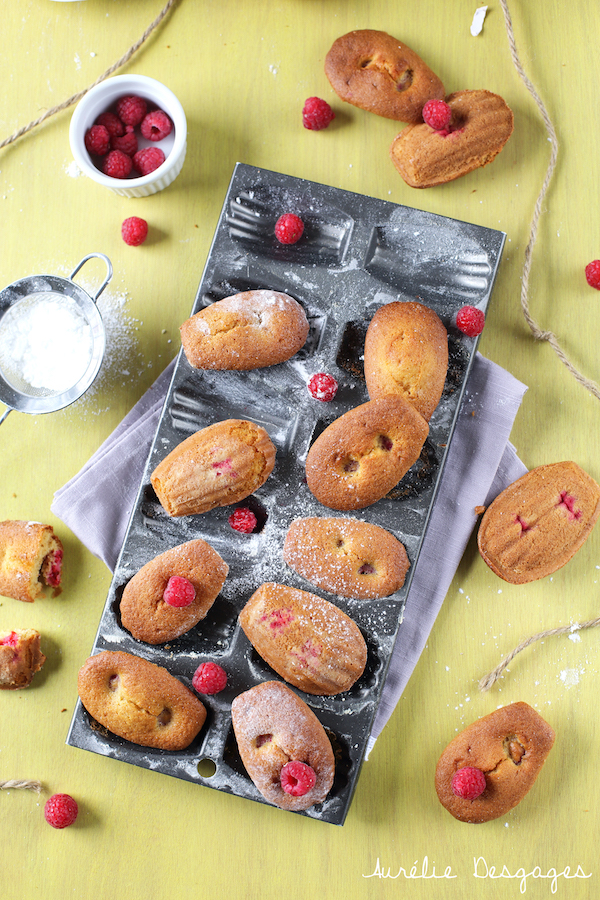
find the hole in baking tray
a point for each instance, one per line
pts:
(116, 603)
(151, 509)
(351, 350)
(363, 687)
(419, 477)
(232, 758)
(206, 768)
(253, 213)
(458, 357)
(343, 763)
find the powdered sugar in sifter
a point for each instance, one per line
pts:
(52, 341)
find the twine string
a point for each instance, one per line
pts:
(489, 680)
(75, 98)
(538, 333)
(19, 785)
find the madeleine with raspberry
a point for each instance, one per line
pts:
(487, 769)
(173, 592)
(283, 746)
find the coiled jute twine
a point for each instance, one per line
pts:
(489, 680)
(538, 333)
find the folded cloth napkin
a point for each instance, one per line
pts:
(96, 504)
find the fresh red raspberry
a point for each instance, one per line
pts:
(470, 321)
(117, 164)
(209, 678)
(112, 123)
(131, 109)
(127, 142)
(289, 228)
(60, 811)
(243, 519)
(179, 592)
(97, 140)
(468, 783)
(592, 274)
(322, 386)
(134, 231)
(317, 114)
(437, 114)
(156, 125)
(297, 778)
(148, 160)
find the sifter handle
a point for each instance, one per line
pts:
(106, 280)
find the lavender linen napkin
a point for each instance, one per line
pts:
(96, 504)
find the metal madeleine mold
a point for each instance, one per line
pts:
(356, 254)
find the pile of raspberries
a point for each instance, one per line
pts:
(113, 139)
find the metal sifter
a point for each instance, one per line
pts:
(29, 310)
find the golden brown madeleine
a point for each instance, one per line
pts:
(406, 353)
(347, 557)
(480, 127)
(362, 455)
(140, 701)
(144, 612)
(538, 523)
(509, 746)
(310, 642)
(249, 330)
(217, 466)
(378, 73)
(20, 658)
(274, 727)
(30, 559)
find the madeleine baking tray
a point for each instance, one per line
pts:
(356, 254)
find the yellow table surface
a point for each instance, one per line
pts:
(242, 72)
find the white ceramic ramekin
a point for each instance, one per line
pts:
(100, 99)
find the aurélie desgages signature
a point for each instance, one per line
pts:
(481, 870)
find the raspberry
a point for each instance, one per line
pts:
(323, 387)
(209, 678)
(470, 321)
(148, 160)
(468, 783)
(131, 109)
(97, 140)
(11, 640)
(117, 164)
(52, 568)
(289, 228)
(297, 778)
(243, 519)
(437, 114)
(60, 811)
(179, 592)
(592, 274)
(317, 114)
(134, 231)
(127, 142)
(112, 123)
(156, 125)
